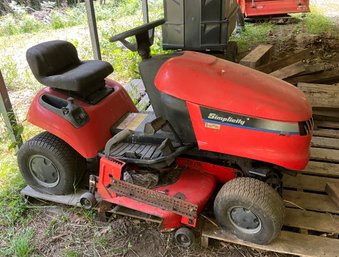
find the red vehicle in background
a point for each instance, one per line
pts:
(252, 8)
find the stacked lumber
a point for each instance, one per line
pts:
(293, 68)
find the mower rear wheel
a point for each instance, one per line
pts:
(49, 165)
(250, 209)
(184, 237)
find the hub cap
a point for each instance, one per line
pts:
(44, 171)
(244, 220)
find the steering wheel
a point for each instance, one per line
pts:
(144, 39)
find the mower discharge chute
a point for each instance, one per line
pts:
(216, 127)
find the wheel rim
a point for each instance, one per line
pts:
(183, 240)
(44, 171)
(244, 220)
(86, 203)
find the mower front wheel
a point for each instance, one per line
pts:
(87, 200)
(250, 209)
(49, 165)
(184, 237)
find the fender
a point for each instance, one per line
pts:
(90, 138)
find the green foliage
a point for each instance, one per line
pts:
(70, 253)
(9, 71)
(19, 244)
(12, 205)
(68, 17)
(317, 24)
(254, 33)
(13, 24)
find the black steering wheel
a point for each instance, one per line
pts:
(143, 37)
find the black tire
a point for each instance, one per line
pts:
(184, 237)
(250, 209)
(87, 200)
(49, 165)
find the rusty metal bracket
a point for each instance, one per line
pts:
(154, 198)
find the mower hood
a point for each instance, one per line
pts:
(219, 84)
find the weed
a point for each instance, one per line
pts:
(254, 34)
(89, 215)
(70, 253)
(101, 241)
(20, 244)
(317, 24)
(9, 71)
(53, 228)
(12, 205)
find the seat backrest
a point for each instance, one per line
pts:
(52, 57)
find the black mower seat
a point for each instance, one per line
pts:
(56, 64)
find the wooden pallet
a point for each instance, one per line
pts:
(311, 225)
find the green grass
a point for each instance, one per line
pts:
(19, 244)
(317, 24)
(254, 34)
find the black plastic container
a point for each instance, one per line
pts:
(198, 24)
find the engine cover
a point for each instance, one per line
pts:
(239, 111)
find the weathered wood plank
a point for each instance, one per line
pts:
(321, 154)
(287, 242)
(322, 168)
(322, 222)
(313, 68)
(310, 201)
(289, 71)
(324, 142)
(260, 55)
(326, 114)
(321, 95)
(306, 182)
(322, 77)
(272, 66)
(332, 189)
(327, 124)
(332, 133)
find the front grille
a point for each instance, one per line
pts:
(306, 127)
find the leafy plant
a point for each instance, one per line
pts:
(255, 33)
(20, 244)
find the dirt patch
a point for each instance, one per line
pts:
(62, 231)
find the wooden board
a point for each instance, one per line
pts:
(287, 242)
(327, 124)
(322, 168)
(329, 143)
(322, 154)
(322, 77)
(309, 201)
(258, 56)
(331, 133)
(272, 66)
(332, 189)
(289, 70)
(307, 182)
(321, 95)
(310, 220)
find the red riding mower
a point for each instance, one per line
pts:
(219, 130)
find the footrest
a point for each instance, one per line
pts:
(136, 151)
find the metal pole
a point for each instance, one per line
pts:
(145, 11)
(8, 115)
(93, 30)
